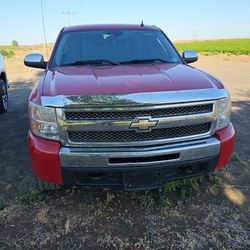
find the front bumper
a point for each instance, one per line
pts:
(149, 166)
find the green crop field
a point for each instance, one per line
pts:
(225, 46)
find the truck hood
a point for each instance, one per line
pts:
(125, 79)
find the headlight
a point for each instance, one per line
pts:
(43, 121)
(224, 113)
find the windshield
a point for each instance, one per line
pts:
(114, 47)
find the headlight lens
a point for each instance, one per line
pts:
(224, 113)
(43, 121)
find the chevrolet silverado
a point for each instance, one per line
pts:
(118, 105)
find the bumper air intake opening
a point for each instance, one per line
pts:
(158, 158)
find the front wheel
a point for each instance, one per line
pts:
(3, 97)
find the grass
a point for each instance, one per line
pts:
(7, 53)
(236, 158)
(183, 188)
(29, 198)
(108, 241)
(225, 46)
(9, 50)
(3, 206)
(147, 200)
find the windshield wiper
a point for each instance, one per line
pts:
(153, 60)
(90, 62)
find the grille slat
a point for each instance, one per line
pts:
(154, 113)
(131, 136)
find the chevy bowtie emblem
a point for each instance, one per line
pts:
(143, 124)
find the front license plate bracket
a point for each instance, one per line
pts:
(142, 181)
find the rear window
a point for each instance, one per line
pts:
(114, 45)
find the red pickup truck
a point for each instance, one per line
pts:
(117, 105)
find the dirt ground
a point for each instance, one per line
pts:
(215, 216)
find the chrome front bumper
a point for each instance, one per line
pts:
(126, 158)
(138, 168)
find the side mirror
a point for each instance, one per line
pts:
(190, 56)
(35, 60)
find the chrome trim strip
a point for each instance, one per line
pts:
(134, 99)
(135, 108)
(94, 157)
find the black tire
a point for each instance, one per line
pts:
(3, 97)
(45, 186)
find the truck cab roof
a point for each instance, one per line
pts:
(109, 26)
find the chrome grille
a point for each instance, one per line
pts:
(131, 136)
(110, 126)
(131, 114)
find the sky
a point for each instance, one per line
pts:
(180, 19)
